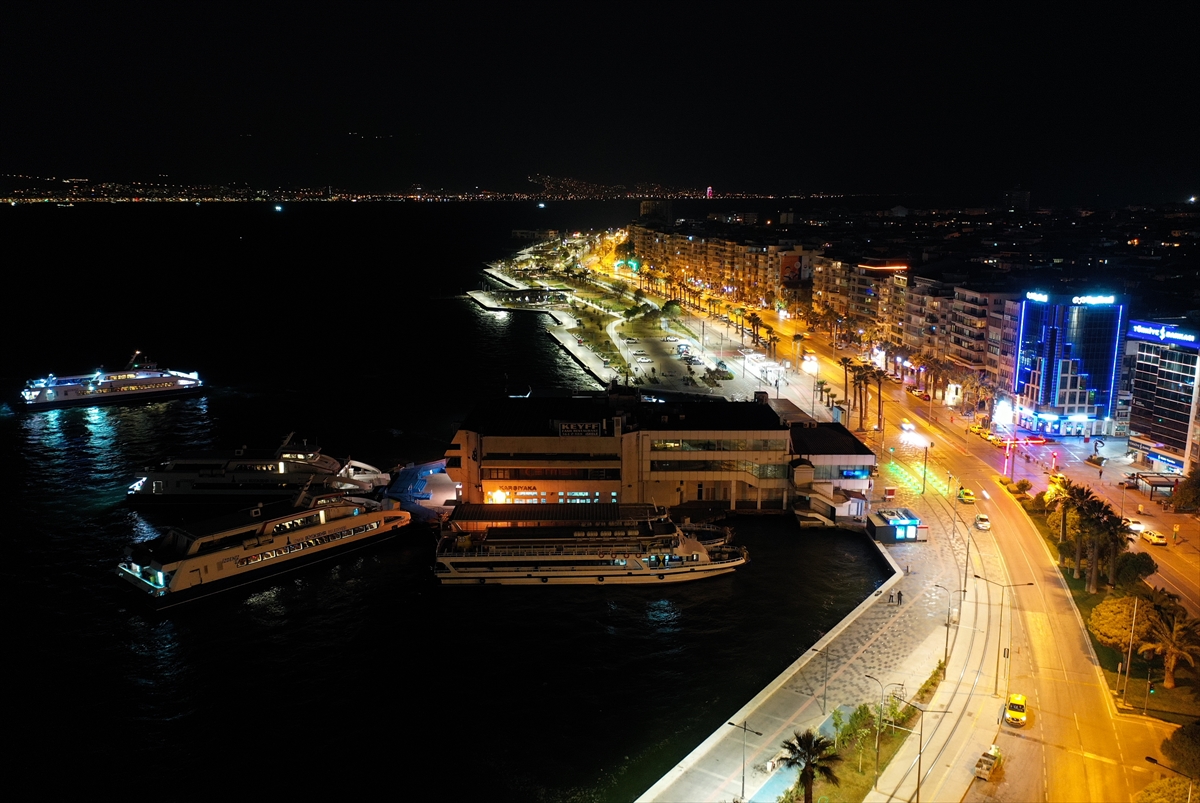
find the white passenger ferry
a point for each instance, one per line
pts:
(652, 550)
(252, 475)
(186, 563)
(137, 381)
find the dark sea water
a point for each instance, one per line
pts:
(347, 325)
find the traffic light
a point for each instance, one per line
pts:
(1152, 687)
(892, 449)
(1054, 455)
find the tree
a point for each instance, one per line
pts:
(1111, 620)
(813, 755)
(879, 375)
(1172, 789)
(845, 362)
(1133, 568)
(1175, 638)
(797, 339)
(1186, 495)
(672, 309)
(1182, 749)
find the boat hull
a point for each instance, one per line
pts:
(268, 571)
(109, 400)
(585, 575)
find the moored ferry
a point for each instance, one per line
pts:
(252, 475)
(138, 381)
(607, 549)
(212, 556)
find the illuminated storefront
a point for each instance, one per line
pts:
(1068, 362)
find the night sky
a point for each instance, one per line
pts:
(958, 99)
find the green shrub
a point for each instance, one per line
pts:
(1024, 485)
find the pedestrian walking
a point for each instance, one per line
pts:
(891, 598)
(899, 597)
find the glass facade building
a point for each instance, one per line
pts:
(1068, 362)
(1163, 384)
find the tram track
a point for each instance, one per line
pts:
(966, 683)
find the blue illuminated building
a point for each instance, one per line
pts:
(1163, 361)
(1068, 363)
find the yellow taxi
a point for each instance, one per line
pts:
(1015, 710)
(966, 496)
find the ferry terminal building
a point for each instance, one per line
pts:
(615, 447)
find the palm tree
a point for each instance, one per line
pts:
(813, 755)
(1081, 499)
(879, 375)
(1173, 637)
(1115, 536)
(755, 323)
(861, 382)
(846, 362)
(797, 339)
(1094, 515)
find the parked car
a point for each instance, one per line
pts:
(1155, 538)
(672, 339)
(639, 352)
(644, 359)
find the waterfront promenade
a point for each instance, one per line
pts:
(900, 646)
(671, 374)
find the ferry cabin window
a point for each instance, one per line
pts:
(295, 524)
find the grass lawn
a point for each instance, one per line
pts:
(856, 784)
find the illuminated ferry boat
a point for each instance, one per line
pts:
(652, 550)
(233, 550)
(252, 475)
(137, 381)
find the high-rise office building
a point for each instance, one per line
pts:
(1068, 362)
(1162, 414)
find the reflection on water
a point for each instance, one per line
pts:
(663, 616)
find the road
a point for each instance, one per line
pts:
(1076, 745)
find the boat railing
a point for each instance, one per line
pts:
(572, 551)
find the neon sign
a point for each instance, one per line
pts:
(1042, 297)
(1093, 299)
(1162, 332)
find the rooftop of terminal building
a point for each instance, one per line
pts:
(827, 439)
(542, 416)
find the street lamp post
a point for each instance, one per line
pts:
(1191, 780)
(825, 683)
(1000, 626)
(946, 648)
(744, 728)
(879, 722)
(921, 743)
(925, 467)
